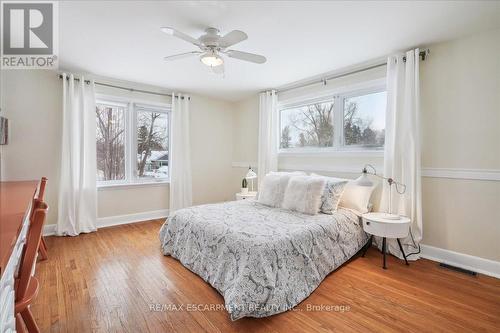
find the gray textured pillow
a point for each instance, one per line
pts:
(334, 187)
(303, 194)
(331, 196)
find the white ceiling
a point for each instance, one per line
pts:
(122, 40)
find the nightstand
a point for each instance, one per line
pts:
(376, 225)
(249, 195)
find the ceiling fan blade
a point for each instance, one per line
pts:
(218, 69)
(181, 35)
(232, 38)
(258, 59)
(181, 55)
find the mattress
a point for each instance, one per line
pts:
(262, 260)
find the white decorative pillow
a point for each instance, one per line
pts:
(303, 194)
(272, 189)
(334, 187)
(357, 197)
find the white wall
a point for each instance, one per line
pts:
(460, 103)
(211, 149)
(245, 132)
(461, 130)
(245, 136)
(113, 201)
(32, 102)
(342, 164)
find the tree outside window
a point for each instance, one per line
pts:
(313, 125)
(307, 126)
(110, 142)
(120, 162)
(364, 120)
(152, 144)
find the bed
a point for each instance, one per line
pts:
(262, 260)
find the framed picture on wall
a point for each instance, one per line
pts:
(4, 131)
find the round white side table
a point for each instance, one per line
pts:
(376, 224)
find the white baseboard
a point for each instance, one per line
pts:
(476, 264)
(109, 221)
(49, 230)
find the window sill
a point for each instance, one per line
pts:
(104, 186)
(331, 153)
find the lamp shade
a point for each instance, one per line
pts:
(211, 59)
(251, 174)
(364, 180)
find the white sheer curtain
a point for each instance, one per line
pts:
(268, 134)
(77, 202)
(402, 145)
(181, 192)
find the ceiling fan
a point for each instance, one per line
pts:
(212, 45)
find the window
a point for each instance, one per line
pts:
(132, 143)
(364, 120)
(110, 141)
(343, 122)
(152, 143)
(310, 125)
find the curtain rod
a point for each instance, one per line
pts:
(422, 54)
(125, 88)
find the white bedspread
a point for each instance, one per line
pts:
(262, 260)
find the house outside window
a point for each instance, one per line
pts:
(132, 142)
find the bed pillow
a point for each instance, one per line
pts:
(334, 187)
(272, 189)
(303, 194)
(357, 197)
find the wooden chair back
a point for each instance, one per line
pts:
(31, 248)
(41, 189)
(38, 196)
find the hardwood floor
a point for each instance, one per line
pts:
(117, 280)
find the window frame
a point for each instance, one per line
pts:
(338, 96)
(357, 93)
(125, 106)
(322, 99)
(142, 107)
(132, 105)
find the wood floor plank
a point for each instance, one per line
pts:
(117, 280)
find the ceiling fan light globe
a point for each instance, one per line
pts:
(211, 60)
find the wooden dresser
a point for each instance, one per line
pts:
(15, 205)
